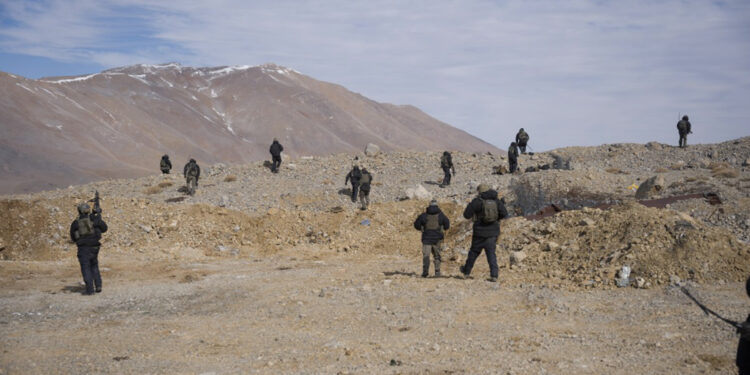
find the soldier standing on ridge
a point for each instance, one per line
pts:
(683, 128)
(446, 162)
(432, 223)
(522, 138)
(364, 188)
(354, 175)
(86, 231)
(275, 150)
(165, 164)
(512, 157)
(486, 211)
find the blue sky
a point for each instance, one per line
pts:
(569, 72)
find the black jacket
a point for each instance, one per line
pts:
(276, 149)
(91, 240)
(431, 237)
(187, 166)
(474, 210)
(683, 127)
(167, 162)
(522, 137)
(513, 153)
(355, 174)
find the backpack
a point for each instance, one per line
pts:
(193, 171)
(446, 161)
(433, 222)
(365, 181)
(163, 164)
(523, 137)
(85, 227)
(682, 126)
(490, 212)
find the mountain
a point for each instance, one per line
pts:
(68, 130)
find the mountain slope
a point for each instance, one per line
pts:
(117, 123)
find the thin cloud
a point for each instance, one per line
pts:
(575, 72)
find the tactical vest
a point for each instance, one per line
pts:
(85, 227)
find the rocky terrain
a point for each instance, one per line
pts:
(282, 273)
(118, 123)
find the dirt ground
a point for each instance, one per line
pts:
(313, 311)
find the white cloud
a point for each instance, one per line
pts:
(576, 72)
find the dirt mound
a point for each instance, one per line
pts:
(587, 247)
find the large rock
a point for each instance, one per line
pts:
(650, 187)
(418, 193)
(372, 149)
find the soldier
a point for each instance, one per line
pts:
(364, 188)
(513, 157)
(192, 173)
(683, 128)
(354, 175)
(743, 347)
(275, 150)
(522, 138)
(165, 164)
(86, 231)
(446, 162)
(486, 211)
(432, 223)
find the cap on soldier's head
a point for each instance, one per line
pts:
(84, 208)
(482, 188)
(433, 203)
(685, 117)
(275, 139)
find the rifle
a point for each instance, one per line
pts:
(97, 208)
(708, 311)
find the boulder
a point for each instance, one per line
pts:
(418, 193)
(654, 146)
(372, 149)
(650, 187)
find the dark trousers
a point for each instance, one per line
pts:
(276, 164)
(512, 165)
(477, 244)
(355, 190)
(683, 140)
(446, 176)
(522, 147)
(165, 171)
(87, 257)
(743, 357)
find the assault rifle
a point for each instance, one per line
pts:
(97, 208)
(711, 312)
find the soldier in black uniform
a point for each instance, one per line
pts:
(486, 211)
(743, 347)
(513, 157)
(432, 223)
(165, 165)
(683, 128)
(86, 231)
(446, 163)
(275, 150)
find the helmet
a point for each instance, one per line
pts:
(521, 130)
(84, 208)
(685, 117)
(192, 160)
(165, 156)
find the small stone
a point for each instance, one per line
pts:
(650, 187)
(516, 257)
(552, 246)
(146, 228)
(587, 222)
(675, 280)
(640, 283)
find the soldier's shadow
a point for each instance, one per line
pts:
(430, 182)
(345, 191)
(268, 164)
(414, 274)
(75, 288)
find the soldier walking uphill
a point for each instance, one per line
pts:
(513, 157)
(364, 188)
(165, 165)
(432, 223)
(354, 175)
(446, 162)
(192, 173)
(743, 348)
(522, 138)
(86, 231)
(486, 211)
(683, 128)
(275, 150)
